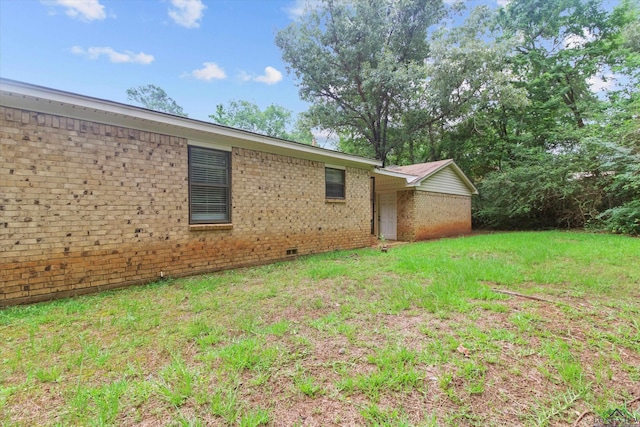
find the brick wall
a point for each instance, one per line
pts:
(441, 215)
(86, 206)
(425, 215)
(406, 207)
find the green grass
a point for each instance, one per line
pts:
(413, 337)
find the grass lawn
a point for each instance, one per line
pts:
(416, 336)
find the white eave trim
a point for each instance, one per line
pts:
(387, 172)
(13, 89)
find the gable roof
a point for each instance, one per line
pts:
(417, 173)
(421, 170)
(20, 95)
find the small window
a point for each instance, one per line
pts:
(209, 186)
(334, 181)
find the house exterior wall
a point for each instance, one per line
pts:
(425, 215)
(86, 206)
(406, 215)
(441, 215)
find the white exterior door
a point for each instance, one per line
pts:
(388, 216)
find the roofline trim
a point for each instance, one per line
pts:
(393, 174)
(17, 88)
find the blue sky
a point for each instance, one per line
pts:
(201, 52)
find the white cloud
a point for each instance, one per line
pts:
(243, 76)
(503, 3)
(576, 41)
(84, 10)
(325, 138)
(115, 57)
(209, 71)
(187, 13)
(271, 76)
(601, 83)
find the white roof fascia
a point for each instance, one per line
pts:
(23, 95)
(387, 172)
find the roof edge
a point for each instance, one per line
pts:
(394, 174)
(27, 90)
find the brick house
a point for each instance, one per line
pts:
(96, 195)
(423, 201)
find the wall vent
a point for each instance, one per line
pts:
(292, 251)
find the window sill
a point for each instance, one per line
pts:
(210, 227)
(335, 201)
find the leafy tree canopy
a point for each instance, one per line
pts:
(155, 98)
(275, 120)
(585, 171)
(509, 95)
(359, 62)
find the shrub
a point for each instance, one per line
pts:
(623, 219)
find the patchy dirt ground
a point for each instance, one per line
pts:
(414, 336)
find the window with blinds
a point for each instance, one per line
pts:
(209, 186)
(334, 182)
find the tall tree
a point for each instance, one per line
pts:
(274, 120)
(561, 46)
(572, 149)
(358, 60)
(465, 73)
(155, 98)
